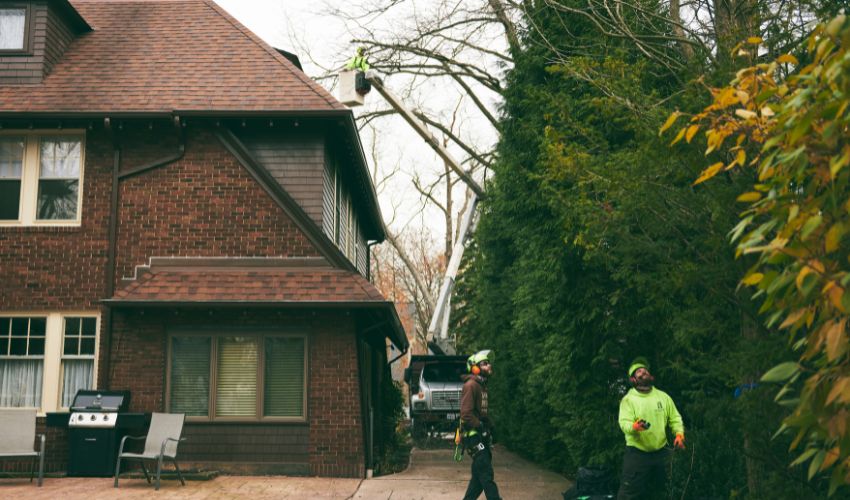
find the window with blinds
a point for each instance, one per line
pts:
(236, 384)
(284, 377)
(245, 377)
(190, 375)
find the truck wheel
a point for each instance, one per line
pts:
(419, 433)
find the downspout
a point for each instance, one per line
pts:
(117, 177)
(109, 287)
(369, 246)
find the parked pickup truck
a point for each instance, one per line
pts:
(435, 385)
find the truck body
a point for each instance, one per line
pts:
(435, 388)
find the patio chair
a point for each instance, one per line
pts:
(160, 443)
(17, 438)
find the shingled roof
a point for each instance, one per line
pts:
(255, 282)
(167, 56)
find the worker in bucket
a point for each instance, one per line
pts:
(477, 430)
(645, 414)
(359, 64)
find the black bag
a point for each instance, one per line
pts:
(591, 484)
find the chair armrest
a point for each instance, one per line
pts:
(124, 440)
(165, 442)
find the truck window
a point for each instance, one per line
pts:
(443, 373)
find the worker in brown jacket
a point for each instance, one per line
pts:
(477, 430)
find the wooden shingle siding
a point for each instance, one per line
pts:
(57, 38)
(328, 204)
(296, 161)
(275, 443)
(27, 68)
(343, 220)
(49, 36)
(362, 257)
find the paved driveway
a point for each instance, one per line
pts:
(432, 475)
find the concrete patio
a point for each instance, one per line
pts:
(432, 475)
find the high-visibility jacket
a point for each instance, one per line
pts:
(359, 63)
(657, 408)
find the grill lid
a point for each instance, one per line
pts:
(101, 401)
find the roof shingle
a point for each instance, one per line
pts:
(163, 56)
(307, 286)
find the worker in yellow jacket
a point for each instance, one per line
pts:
(645, 414)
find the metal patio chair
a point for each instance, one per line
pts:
(160, 443)
(17, 438)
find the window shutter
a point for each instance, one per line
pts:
(284, 377)
(190, 375)
(236, 390)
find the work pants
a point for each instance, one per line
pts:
(482, 477)
(644, 474)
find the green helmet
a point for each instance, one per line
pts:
(478, 357)
(639, 362)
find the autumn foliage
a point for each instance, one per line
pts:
(786, 123)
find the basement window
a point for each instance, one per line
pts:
(13, 28)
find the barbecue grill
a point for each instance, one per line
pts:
(96, 424)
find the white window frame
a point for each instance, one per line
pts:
(52, 379)
(31, 172)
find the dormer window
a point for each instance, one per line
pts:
(13, 28)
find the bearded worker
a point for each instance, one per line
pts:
(645, 414)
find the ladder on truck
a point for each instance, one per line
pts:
(438, 328)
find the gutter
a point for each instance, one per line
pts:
(111, 258)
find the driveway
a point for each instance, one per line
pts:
(432, 475)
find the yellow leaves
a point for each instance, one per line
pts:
(678, 137)
(836, 163)
(787, 59)
(709, 173)
(753, 279)
(726, 98)
(754, 40)
(792, 318)
(840, 389)
(670, 121)
(749, 197)
(746, 114)
(740, 157)
(766, 112)
(691, 132)
(836, 340)
(835, 293)
(832, 240)
(830, 458)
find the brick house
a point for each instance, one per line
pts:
(184, 214)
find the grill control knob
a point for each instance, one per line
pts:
(105, 417)
(79, 417)
(93, 417)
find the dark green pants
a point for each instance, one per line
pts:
(644, 474)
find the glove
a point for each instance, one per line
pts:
(640, 425)
(679, 442)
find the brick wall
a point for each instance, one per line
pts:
(62, 268)
(329, 444)
(336, 427)
(205, 205)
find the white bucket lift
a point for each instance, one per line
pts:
(348, 94)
